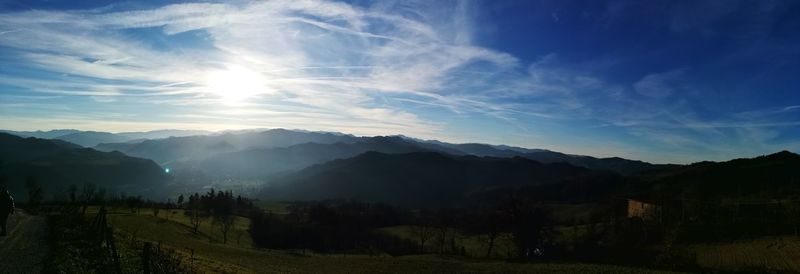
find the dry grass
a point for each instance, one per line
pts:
(214, 257)
(773, 254)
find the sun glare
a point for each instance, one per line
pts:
(236, 84)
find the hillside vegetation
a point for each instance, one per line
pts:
(56, 165)
(213, 257)
(416, 179)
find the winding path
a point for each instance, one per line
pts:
(24, 249)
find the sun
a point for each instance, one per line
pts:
(235, 84)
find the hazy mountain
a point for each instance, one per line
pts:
(416, 179)
(94, 138)
(57, 164)
(261, 162)
(251, 153)
(162, 133)
(193, 148)
(91, 138)
(50, 134)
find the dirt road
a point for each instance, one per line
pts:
(24, 249)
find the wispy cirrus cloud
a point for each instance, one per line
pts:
(329, 56)
(659, 85)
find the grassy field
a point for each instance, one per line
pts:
(773, 254)
(211, 256)
(474, 245)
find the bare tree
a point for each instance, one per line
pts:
(72, 190)
(193, 211)
(444, 220)
(35, 192)
(422, 230)
(225, 222)
(491, 222)
(224, 209)
(87, 194)
(195, 219)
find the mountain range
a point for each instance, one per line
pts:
(168, 147)
(263, 153)
(169, 150)
(293, 164)
(93, 138)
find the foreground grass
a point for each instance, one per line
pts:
(211, 256)
(766, 254)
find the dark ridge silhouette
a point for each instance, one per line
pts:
(422, 179)
(615, 164)
(771, 176)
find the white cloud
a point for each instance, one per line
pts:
(328, 56)
(659, 85)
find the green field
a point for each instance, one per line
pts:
(211, 256)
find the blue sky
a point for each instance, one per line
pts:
(661, 81)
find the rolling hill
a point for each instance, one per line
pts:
(773, 176)
(425, 179)
(57, 164)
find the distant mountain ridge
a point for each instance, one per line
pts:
(257, 153)
(93, 138)
(190, 148)
(56, 164)
(200, 151)
(615, 164)
(263, 162)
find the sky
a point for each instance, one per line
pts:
(660, 81)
